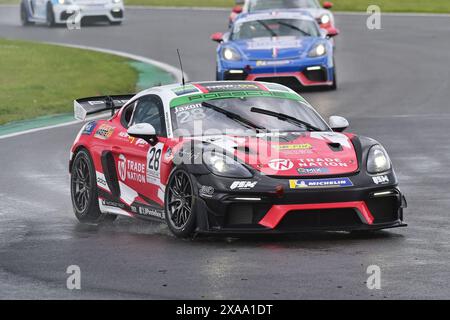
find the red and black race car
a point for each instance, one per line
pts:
(230, 157)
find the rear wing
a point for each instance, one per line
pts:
(87, 106)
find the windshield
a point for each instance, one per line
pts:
(274, 28)
(200, 119)
(256, 5)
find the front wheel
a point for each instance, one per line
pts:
(24, 19)
(179, 204)
(50, 16)
(334, 85)
(83, 189)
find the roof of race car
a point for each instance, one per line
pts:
(177, 94)
(271, 14)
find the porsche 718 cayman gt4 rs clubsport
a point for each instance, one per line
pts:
(322, 14)
(53, 12)
(285, 47)
(230, 157)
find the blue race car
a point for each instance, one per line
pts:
(285, 47)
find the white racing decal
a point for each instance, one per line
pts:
(131, 170)
(127, 195)
(334, 137)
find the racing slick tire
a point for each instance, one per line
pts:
(24, 15)
(83, 190)
(50, 16)
(179, 204)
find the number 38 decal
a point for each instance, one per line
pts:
(154, 163)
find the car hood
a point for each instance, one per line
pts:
(292, 154)
(275, 48)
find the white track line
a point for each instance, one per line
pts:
(164, 66)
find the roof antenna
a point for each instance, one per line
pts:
(181, 65)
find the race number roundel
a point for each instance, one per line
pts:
(154, 163)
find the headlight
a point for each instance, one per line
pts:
(224, 166)
(318, 51)
(378, 160)
(231, 54)
(325, 19)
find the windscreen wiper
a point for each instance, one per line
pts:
(233, 116)
(294, 28)
(287, 118)
(273, 33)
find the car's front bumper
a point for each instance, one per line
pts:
(110, 11)
(274, 207)
(295, 74)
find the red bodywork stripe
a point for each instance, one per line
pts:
(298, 75)
(277, 212)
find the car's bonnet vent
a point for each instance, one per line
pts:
(335, 146)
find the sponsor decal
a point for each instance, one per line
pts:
(102, 182)
(313, 170)
(320, 183)
(380, 179)
(146, 211)
(235, 86)
(104, 132)
(302, 146)
(321, 163)
(262, 63)
(88, 128)
(206, 191)
(268, 43)
(114, 204)
(189, 88)
(131, 170)
(137, 141)
(281, 164)
(243, 185)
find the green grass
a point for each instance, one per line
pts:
(40, 79)
(428, 6)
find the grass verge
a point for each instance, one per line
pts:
(41, 79)
(426, 6)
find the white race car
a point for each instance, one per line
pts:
(53, 12)
(322, 14)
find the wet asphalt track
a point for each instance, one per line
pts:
(394, 86)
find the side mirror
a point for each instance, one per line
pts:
(217, 37)
(328, 5)
(338, 124)
(144, 131)
(237, 9)
(332, 32)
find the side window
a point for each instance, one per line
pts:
(149, 109)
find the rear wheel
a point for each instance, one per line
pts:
(179, 204)
(50, 16)
(24, 15)
(83, 189)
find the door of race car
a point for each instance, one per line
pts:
(138, 163)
